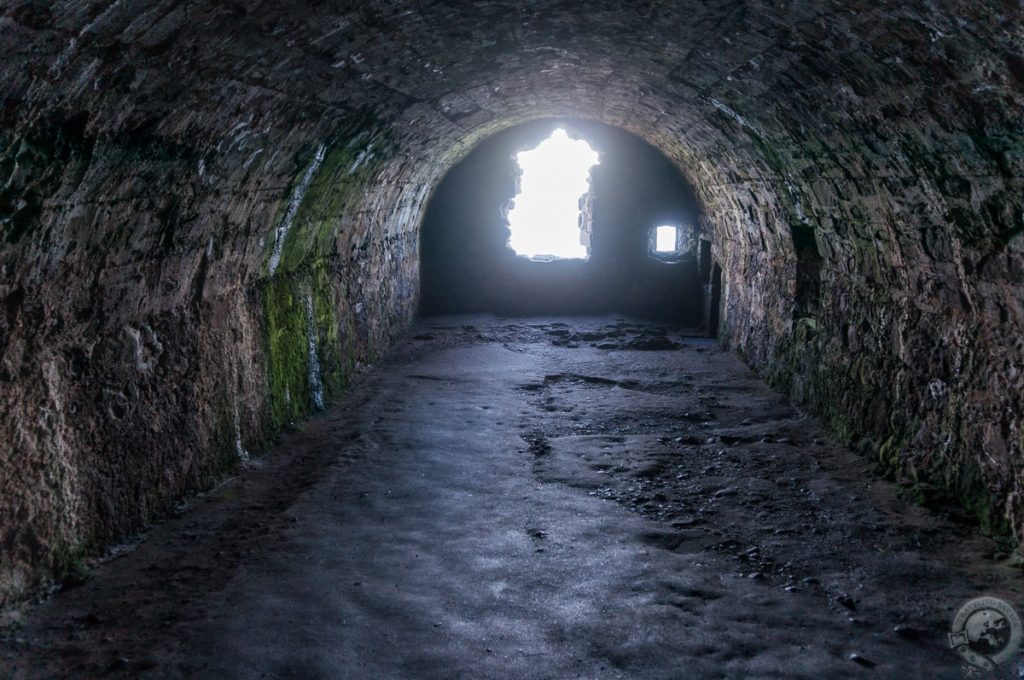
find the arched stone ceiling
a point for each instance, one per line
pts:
(153, 155)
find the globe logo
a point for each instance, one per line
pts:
(986, 632)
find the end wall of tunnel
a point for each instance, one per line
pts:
(859, 167)
(468, 263)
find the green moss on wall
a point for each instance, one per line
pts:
(333, 190)
(303, 294)
(290, 373)
(69, 565)
(953, 483)
(287, 351)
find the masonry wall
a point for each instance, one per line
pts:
(170, 307)
(859, 164)
(467, 264)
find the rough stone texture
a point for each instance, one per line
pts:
(501, 505)
(151, 151)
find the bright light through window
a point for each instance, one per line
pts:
(665, 239)
(545, 217)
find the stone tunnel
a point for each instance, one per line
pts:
(211, 217)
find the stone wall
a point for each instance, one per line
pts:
(148, 346)
(467, 263)
(151, 153)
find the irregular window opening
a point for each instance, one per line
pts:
(546, 220)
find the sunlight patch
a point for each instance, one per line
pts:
(545, 219)
(665, 239)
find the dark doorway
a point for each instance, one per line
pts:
(714, 297)
(468, 266)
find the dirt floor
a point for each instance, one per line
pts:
(534, 498)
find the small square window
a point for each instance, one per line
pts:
(669, 242)
(666, 240)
